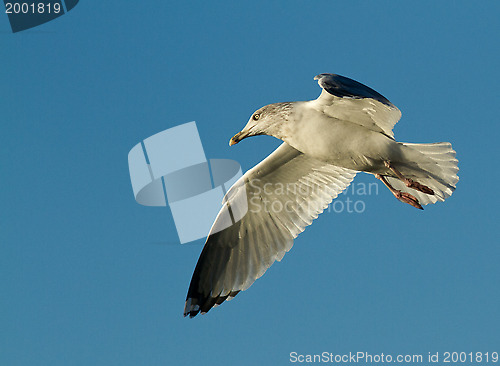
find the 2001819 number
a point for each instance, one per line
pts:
(25, 8)
(476, 357)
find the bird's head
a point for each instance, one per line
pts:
(268, 120)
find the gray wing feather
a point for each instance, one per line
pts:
(351, 101)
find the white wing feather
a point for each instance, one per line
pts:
(284, 194)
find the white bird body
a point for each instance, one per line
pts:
(339, 142)
(326, 142)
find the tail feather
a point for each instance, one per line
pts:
(433, 165)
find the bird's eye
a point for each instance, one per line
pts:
(256, 116)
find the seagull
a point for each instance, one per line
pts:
(326, 141)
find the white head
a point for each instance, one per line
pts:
(268, 120)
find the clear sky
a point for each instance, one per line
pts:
(90, 277)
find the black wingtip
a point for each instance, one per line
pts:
(195, 306)
(344, 87)
(191, 308)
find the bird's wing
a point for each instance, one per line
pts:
(349, 100)
(283, 194)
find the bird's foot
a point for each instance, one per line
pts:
(407, 198)
(410, 183)
(417, 186)
(402, 196)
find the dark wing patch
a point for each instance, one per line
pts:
(343, 87)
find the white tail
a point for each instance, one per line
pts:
(433, 165)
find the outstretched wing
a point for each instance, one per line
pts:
(283, 194)
(349, 100)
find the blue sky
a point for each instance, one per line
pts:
(91, 277)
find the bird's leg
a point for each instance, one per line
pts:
(409, 182)
(402, 196)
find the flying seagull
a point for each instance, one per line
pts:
(326, 141)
